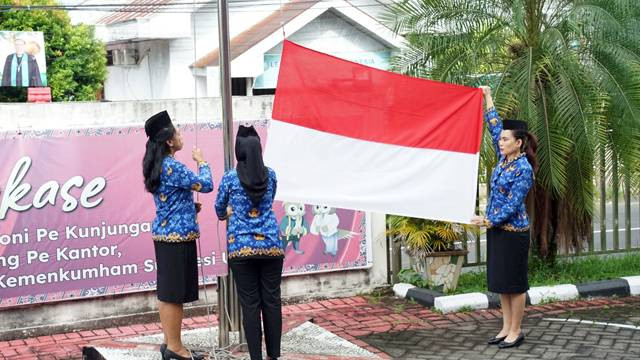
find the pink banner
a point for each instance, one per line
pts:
(75, 218)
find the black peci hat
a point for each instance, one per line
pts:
(509, 124)
(156, 123)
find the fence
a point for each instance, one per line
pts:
(616, 204)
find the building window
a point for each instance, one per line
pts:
(239, 86)
(109, 57)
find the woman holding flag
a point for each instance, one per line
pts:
(507, 221)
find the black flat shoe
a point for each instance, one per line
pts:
(163, 347)
(170, 355)
(515, 343)
(496, 340)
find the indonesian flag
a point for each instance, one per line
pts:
(351, 136)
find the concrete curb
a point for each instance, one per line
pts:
(626, 286)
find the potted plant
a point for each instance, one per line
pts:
(431, 245)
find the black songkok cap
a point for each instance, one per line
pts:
(156, 123)
(514, 125)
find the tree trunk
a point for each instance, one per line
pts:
(556, 224)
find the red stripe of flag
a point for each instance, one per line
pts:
(336, 96)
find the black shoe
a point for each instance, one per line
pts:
(515, 343)
(170, 355)
(496, 340)
(163, 347)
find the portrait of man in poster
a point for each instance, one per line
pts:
(21, 68)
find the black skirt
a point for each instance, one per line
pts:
(177, 271)
(507, 261)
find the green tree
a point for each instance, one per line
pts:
(571, 68)
(76, 61)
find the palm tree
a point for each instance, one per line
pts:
(571, 68)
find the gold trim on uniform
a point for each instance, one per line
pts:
(509, 227)
(254, 213)
(247, 251)
(196, 186)
(169, 170)
(232, 239)
(177, 238)
(258, 237)
(493, 121)
(163, 223)
(162, 197)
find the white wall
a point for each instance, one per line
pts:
(128, 82)
(122, 31)
(332, 34)
(180, 76)
(57, 115)
(147, 80)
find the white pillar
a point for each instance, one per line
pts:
(213, 81)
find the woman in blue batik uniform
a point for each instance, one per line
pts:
(245, 197)
(175, 228)
(507, 221)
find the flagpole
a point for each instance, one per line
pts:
(229, 316)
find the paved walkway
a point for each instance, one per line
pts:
(603, 333)
(391, 328)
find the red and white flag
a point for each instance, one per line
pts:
(351, 136)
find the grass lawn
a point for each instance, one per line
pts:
(575, 271)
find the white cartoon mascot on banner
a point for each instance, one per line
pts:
(325, 222)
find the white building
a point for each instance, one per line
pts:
(152, 52)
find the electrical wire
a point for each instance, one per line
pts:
(186, 8)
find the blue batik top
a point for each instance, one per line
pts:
(175, 210)
(510, 183)
(252, 230)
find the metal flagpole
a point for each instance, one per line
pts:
(229, 315)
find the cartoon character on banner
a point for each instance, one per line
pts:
(293, 226)
(325, 222)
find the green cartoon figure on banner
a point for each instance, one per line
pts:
(293, 226)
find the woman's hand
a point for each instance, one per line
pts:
(477, 220)
(196, 154)
(229, 213)
(488, 100)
